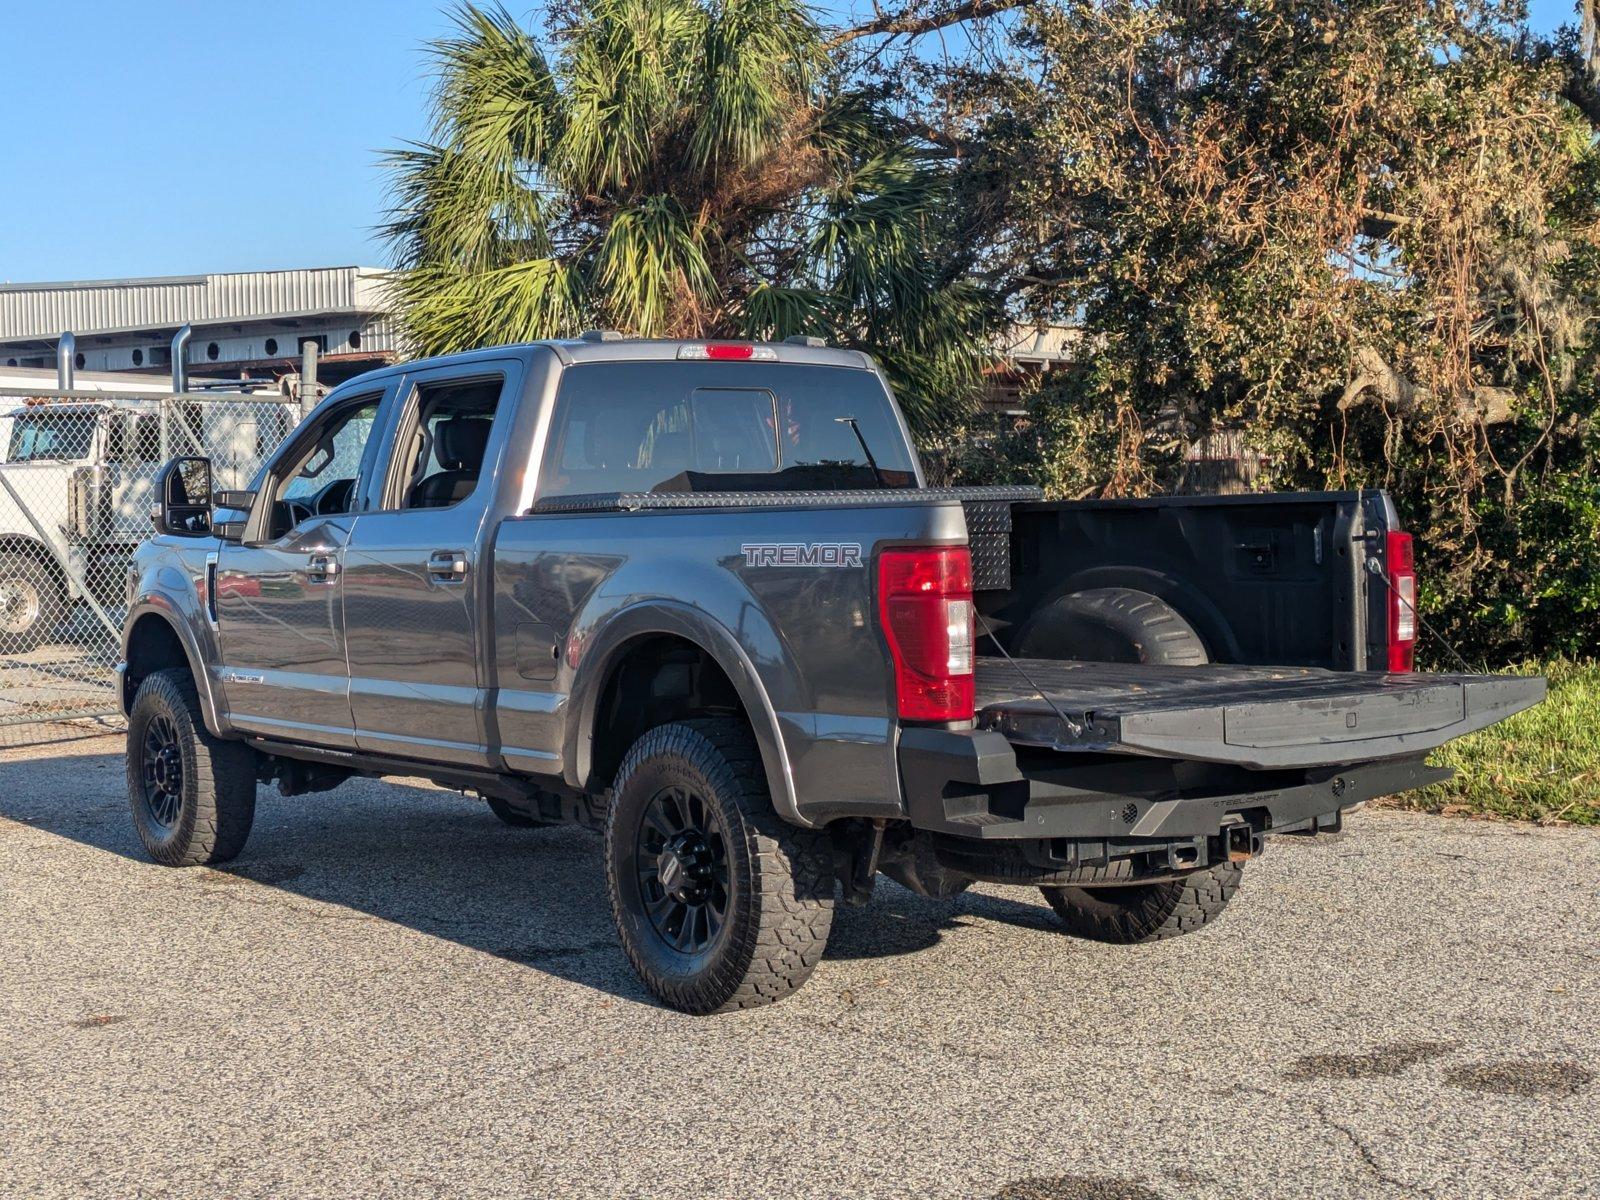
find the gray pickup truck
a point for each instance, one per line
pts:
(697, 595)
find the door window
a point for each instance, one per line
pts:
(446, 444)
(134, 439)
(322, 482)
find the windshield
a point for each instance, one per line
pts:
(51, 436)
(699, 427)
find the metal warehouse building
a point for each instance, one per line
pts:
(252, 324)
(245, 325)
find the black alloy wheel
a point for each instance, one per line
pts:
(192, 795)
(682, 868)
(161, 770)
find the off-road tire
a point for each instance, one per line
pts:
(1112, 625)
(510, 816)
(780, 890)
(40, 592)
(1146, 912)
(1005, 863)
(217, 796)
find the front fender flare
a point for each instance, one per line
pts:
(161, 606)
(602, 649)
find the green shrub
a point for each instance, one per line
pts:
(1540, 765)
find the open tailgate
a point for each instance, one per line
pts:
(1260, 717)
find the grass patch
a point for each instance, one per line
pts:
(1540, 765)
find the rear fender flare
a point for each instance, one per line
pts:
(602, 649)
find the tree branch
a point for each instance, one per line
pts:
(951, 144)
(910, 22)
(1580, 91)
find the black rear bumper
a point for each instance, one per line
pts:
(975, 785)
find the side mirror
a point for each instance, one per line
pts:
(183, 491)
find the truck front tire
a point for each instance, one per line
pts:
(1146, 912)
(33, 603)
(719, 903)
(193, 795)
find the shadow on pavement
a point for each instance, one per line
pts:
(442, 864)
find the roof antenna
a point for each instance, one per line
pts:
(855, 428)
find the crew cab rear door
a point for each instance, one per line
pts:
(412, 567)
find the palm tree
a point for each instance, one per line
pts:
(678, 168)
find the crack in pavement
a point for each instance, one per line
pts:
(401, 1109)
(1369, 1158)
(896, 1042)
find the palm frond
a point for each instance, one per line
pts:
(628, 65)
(445, 311)
(770, 312)
(677, 168)
(447, 206)
(760, 64)
(654, 269)
(496, 99)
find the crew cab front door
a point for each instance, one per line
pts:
(411, 581)
(278, 593)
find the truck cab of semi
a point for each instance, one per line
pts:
(75, 491)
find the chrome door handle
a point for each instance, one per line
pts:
(322, 568)
(447, 566)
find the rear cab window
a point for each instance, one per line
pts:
(715, 427)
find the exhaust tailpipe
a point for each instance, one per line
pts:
(66, 361)
(180, 343)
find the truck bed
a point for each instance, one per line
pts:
(1258, 717)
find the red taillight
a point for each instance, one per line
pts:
(925, 607)
(1402, 602)
(724, 350)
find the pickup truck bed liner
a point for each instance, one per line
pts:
(1259, 717)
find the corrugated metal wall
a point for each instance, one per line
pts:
(115, 305)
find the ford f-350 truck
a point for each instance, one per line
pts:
(697, 595)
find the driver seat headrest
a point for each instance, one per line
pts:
(460, 442)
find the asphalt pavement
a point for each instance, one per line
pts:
(391, 994)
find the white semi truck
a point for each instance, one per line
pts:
(75, 499)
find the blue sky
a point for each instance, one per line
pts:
(192, 136)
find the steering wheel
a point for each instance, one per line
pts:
(333, 498)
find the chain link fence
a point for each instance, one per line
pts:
(77, 475)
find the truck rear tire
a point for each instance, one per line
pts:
(33, 603)
(193, 795)
(1008, 864)
(1112, 625)
(720, 904)
(1146, 912)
